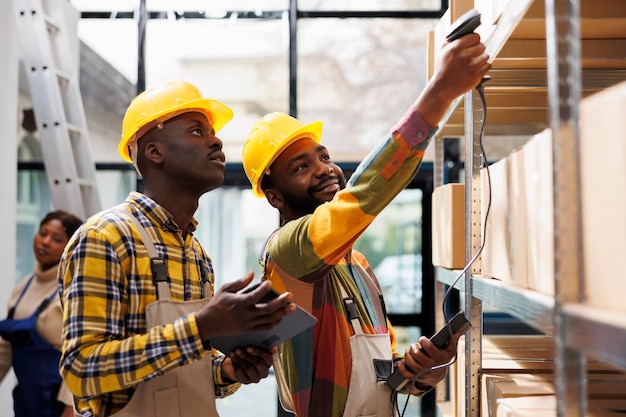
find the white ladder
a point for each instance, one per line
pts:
(52, 71)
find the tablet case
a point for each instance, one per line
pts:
(292, 324)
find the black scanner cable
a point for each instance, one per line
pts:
(480, 88)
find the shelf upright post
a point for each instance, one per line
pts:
(564, 92)
(473, 305)
(439, 161)
(439, 287)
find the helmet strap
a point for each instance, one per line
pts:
(133, 150)
(132, 142)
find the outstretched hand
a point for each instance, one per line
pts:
(231, 312)
(461, 66)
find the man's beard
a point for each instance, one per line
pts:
(308, 204)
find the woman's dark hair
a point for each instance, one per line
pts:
(69, 221)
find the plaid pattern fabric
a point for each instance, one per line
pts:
(105, 281)
(312, 257)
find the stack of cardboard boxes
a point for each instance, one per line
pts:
(517, 379)
(517, 373)
(519, 243)
(519, 233)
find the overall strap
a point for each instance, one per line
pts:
(264, 256)
(46, 301)
(159, 271)
(352, 312)
(12, 309)
(284, 393)
(381, 298)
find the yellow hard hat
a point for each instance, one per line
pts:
(158, 104)
(269, 137)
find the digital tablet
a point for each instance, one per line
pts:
(292, 324)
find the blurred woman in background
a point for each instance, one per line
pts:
(30, 336)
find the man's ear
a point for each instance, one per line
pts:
(274, 197)
(153, 152)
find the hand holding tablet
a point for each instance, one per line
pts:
(290, 326)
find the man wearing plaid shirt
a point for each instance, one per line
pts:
(124, 351)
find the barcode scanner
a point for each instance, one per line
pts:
(464, 25)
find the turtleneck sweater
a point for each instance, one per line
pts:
(49, 322)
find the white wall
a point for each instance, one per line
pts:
(8, 172)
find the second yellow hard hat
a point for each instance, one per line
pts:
(269, 137)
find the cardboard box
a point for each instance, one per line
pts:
(538, 181)
(444, 409)
(518, 219)
(598, 19)
(541, 405)
(453, 386)
(448, 228)
(505, 355)
(603, 186)
(495, 387)
(607, 386)
(545, 406)
(531, 54)
(459, 7)
(531, 357)
(430, 54)
(495, 258)
(588, 9)
(498, 386)
(537, 360)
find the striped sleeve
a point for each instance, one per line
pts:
(323, 238)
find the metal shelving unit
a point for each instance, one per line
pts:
(533, 308)
(553, 97)
(597, 332)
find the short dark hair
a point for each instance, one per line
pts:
(69, 221)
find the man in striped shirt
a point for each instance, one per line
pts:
(124, 351)
(328, 371)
